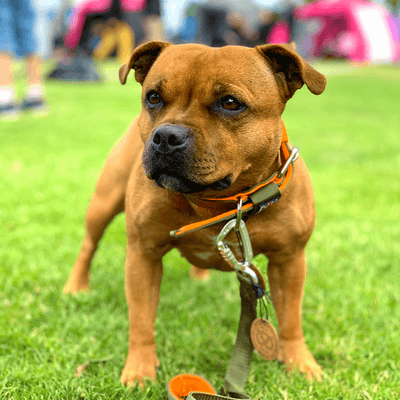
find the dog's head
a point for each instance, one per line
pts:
(211, 117)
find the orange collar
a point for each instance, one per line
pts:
(258, 197)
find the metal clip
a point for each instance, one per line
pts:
(238, 214)
(242, 267)
(291, 159)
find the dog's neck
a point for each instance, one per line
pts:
(204, 208)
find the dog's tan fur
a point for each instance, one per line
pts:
(241, 149)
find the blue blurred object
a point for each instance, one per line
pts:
(17, 19)
(189, 29)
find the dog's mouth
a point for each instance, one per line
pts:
(176, 183)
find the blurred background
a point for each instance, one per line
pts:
(74, 32)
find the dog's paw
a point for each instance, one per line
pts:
(294, 353)
(199, 274)
(139, 367)
(75, 286)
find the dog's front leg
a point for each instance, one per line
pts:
(143, 280)
(286, 275)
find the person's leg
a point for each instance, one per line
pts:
(8, 107)
(7, 43)
(34, 71)
(34, 100)
(6, 69)
(28, 49)
(6, 78)
(107, 43)
(126, 41)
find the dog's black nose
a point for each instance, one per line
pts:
(168, 138)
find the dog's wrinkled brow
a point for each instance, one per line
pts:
(158, 85)
(223, 88)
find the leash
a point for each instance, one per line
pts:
(253, 332)
(258, 197)
(193, 387)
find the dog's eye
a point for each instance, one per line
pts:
(153, 97)
(230, 103)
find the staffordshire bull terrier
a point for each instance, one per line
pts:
(210, 128)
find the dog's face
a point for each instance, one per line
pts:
(211, 117)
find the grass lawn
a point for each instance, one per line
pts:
(350, 139)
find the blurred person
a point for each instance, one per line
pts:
(59, 29)
(266, 21)
(283, 31)
(17, 40)
(152, 21)
(247, 9)
(213, 25)
(277, 23)
(188, 31)
(174, 13)
(223, 22)
(287, 15)
(113, 35)
(96, 28)
(241, 32)
(116, 34)
(88, 13)
(44, 28)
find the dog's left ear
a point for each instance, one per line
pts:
(141, 60)
(290, 70)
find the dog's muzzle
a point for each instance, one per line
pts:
(169, 158)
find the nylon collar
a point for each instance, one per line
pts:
(258, 197)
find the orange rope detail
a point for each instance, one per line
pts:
(197, 225)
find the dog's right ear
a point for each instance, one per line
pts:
(141, 60)
(290, 70)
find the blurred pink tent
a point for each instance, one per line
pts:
(358, 30)
(87, 8)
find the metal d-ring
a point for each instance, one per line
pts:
(294, 154)
(238, 213)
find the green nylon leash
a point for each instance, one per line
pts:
(239, 364)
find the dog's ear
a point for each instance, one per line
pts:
(292, 45)
(141, 60)
(290, 70)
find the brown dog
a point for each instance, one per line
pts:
(210, 127)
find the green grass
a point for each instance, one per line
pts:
(349, 138)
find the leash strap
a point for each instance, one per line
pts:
(239, 364)
(258, 197)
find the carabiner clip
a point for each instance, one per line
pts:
(242, 267)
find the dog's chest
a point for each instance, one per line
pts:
(201, 249)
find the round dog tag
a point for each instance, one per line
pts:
(264, 339)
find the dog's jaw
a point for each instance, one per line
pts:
(178, 184)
